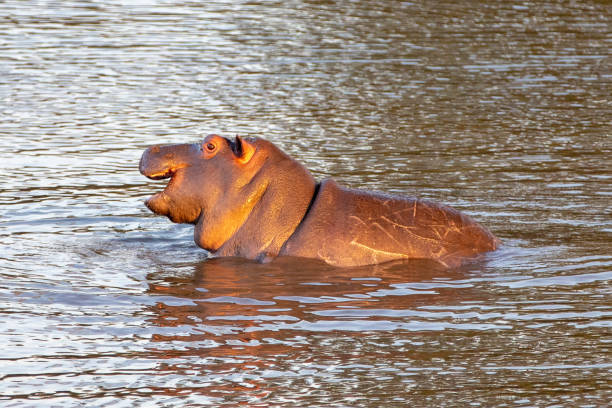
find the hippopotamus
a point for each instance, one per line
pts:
(247, 198)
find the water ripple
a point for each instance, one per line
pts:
(500, 110)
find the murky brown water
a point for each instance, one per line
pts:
(500, 109)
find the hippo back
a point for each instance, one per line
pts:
(346, 227)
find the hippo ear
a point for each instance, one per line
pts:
(243, 150)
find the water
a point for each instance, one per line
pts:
(501, 109)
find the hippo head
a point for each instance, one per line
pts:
(220, 184)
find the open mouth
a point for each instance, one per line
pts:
(165, 174)
(165, 202)
(158, 202)
(166, 162)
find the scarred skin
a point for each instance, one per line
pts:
(247, 198)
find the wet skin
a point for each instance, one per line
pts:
(247, 198)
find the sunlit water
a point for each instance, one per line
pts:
(502, 110)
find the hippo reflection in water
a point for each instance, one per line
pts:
(249, 199)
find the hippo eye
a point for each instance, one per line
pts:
(210, 147)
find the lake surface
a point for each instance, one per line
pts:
(502, 110)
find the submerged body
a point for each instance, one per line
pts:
(347, 227)
(247, 198)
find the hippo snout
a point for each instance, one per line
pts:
(162, 161)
